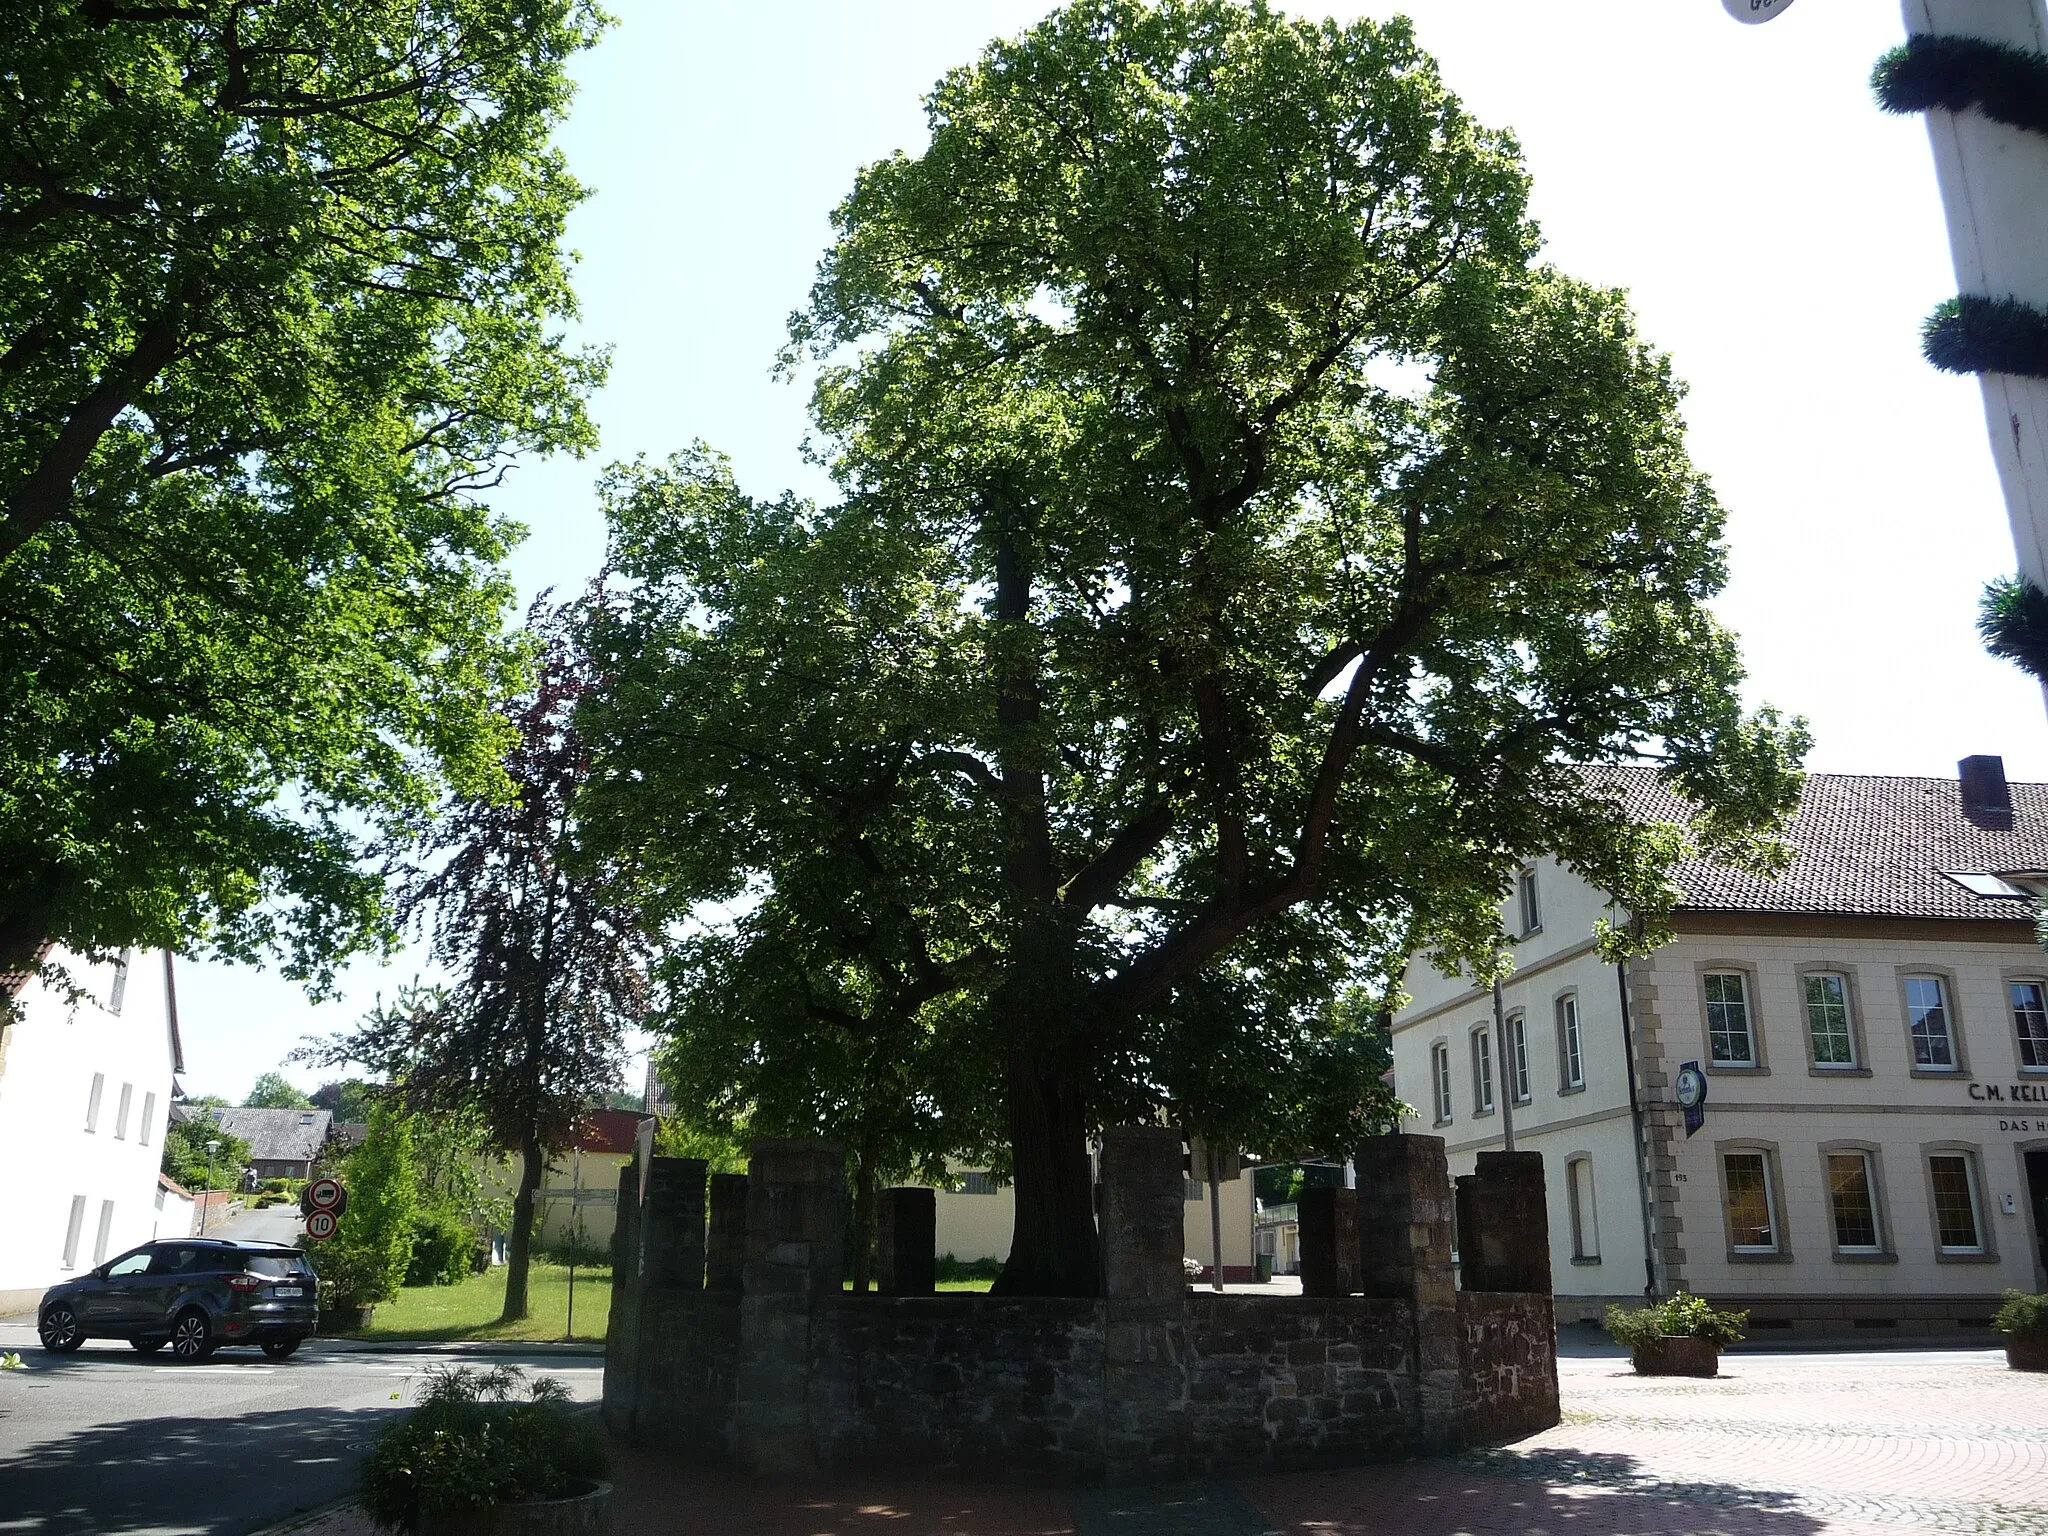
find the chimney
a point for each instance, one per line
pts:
(1986, 799)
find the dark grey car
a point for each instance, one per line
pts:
(193, 1293)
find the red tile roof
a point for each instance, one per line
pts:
(608, 1130)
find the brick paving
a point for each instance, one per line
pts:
(1890, 1444)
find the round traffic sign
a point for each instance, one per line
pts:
(1751, 12)
(320, 1225)
(325, 1194)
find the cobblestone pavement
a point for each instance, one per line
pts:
(1890, 1444)
(1778, 1445)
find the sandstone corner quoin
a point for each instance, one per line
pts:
(744, 1349)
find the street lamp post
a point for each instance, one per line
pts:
(206, 1206)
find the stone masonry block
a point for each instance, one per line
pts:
(1142, 1234)
(907, 1237)
(1329, 1242)
(672, 1225)
(725, 1252)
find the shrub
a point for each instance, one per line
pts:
(582, 1255)
(950, 1268)
(444, 1250)
(476, 1442)
(350, 1276)
(2024, 1315)
(1677, 1317)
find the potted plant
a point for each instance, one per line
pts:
(1679, 1336)
(482, 1457)
(2023, 1319)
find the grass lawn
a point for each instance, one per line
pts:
(470, 1310)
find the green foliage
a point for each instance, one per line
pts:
(274, 1090)
(1244, 543)
(1972, 334)
(1953, 74)
(282, 293)
(1682, 1316)
(443, 1250)
(2012, 621)
(2023, 1314)
(186, 1161)
(347, 1099)
(680, 1136)
(371, 1252)
(476, 1441)
(949, 1268)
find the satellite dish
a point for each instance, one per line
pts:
(1752, 12)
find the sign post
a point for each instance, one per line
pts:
(322, 1202)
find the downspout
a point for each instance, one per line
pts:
(1635, 1115)
(1507, 1070)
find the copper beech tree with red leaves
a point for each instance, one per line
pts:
(546, 975)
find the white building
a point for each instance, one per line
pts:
(977, 1220)
(85, 1089)
(1872, 1028)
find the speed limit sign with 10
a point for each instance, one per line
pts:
(320, 1225)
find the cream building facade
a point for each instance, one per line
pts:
(1872, 1030)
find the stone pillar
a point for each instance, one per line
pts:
(725, 1251)
(1503, 1225)
(1144, 1373)
(672, 1230)
(622, 1333)
(795, 1255)
(907, 1229)
(1329, 1242)
(1404, 1240)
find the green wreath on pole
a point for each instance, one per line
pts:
(1971, 333)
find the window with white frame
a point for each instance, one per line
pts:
(1731, 1042)
(121, 1111)
(1440, 1081)
(92, 1102)
(146, 1127)
(1927, 1017)
(1958, 1224)
(119, 992)
(72, 1228)
(1585, 1216)
(99, 1242)
(1571, 1055)
(1852, 1200)
(1532, 911)
(1482, 1071)
(1518, 1057)
(1827, 1020)
(2030, 1022)
(1752, 1203)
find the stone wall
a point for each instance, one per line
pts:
(790, 1375)
(1507, 1365)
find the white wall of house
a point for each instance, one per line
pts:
(176, 1213)
(84, 1093)
(979, 1225)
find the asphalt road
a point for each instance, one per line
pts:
(116, 1443)
(273, 1224)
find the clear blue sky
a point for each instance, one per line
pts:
(1780, 237)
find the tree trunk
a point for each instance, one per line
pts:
(519, 1241)
(863, 1220)
(1054, 1249)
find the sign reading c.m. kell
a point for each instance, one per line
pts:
(2009, 1093)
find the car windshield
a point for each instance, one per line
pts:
(276, 1265)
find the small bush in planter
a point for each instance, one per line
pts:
(1677, 1317)
(476, 1442)
(2023, 1315)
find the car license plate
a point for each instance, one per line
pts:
(288, 1290)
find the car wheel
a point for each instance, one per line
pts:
(192, 1335)
(148, 1346)
(279, 1349)
(60, 1331)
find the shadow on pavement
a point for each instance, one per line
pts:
(1585, 1494)
(222, 1476)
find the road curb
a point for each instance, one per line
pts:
(319, 1346)
(306, 1519)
